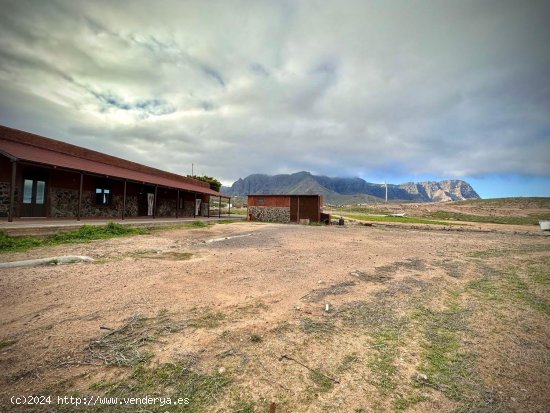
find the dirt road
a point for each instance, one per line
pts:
(417, 321)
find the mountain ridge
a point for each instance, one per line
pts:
(351, 190)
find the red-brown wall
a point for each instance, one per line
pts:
(280, 201)
(309, 208)
(5, 169)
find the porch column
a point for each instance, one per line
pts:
(155, 203)
(124, 200)
(208, 209)
(177, 203)
(195, 206)
(12, 190)
(79, 211)
(220, 208)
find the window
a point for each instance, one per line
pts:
(27, 191)
(36, 189)
(102, 196)
(261, 201)
(40, 190)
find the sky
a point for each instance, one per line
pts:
(384, 90)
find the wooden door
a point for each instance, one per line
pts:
(33, 202)
(294, 209)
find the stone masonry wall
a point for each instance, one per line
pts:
(64, 203)
(131, 206)
(5, 198)
(270, 214)
(91, 209)
(188, 209)
(114, 210)
(166, 208)
(204, 209)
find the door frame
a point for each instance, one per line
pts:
(33, 209)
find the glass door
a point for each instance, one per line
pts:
(34, 196)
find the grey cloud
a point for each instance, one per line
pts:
(259, 69)
(214, 75)
(439, 88)
(144, 107)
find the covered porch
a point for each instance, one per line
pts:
(68, 182)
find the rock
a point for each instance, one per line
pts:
(270, 214)
(221, 370)
(65, 259)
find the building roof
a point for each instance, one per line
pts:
(25, 146)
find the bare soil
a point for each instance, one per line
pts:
(417, 320)
(510, 207)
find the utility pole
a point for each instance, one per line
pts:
(192, 165)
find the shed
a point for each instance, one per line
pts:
(285, 208)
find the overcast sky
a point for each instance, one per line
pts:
(396, 90)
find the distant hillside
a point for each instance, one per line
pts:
(350, 190)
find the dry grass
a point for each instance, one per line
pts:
(336, 289)
(126, 346)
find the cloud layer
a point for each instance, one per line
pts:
(398, 88)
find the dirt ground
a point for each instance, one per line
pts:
(417, 320)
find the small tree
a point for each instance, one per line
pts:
(213, 182)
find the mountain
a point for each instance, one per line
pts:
(350, 190)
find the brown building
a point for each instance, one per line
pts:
(42, 177)
(285, 208)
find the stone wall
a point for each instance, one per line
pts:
(270, 214)
(114, 210)
(5, 198)
(204, 209)
(91, 209)
(188, 209)
(166, 207)
(131, 206)
(64, 203)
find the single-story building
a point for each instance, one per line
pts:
(43, 177)
(285, 208)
